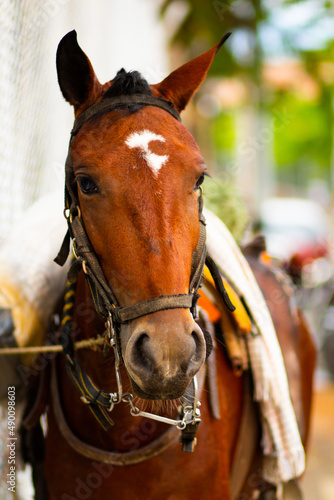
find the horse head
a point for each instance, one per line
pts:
(135, 172)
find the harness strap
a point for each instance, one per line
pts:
(133, 457)
(98, 400)
(213, 268)
(64, 250)
(247, 440)
(199, 254)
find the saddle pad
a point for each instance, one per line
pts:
(284, 456)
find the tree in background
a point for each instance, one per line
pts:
(268, 103)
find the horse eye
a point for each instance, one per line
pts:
(199, 181)
(87, 185)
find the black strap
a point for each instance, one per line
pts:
(212, 266)
(97, 400)
(64, 250)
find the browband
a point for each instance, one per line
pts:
(113, 103)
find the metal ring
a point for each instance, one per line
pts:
(182, 425)
(127, 397)
(134, 411)
(66, 213)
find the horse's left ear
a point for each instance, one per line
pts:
(182, 83)
(76, 76)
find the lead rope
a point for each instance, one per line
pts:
(101, 403)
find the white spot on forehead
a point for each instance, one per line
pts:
(141, 140)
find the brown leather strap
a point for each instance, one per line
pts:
(211, 362)
(248, 438)
(199, 254)
(31, 419)
(133, 457)
(153, 449)
(153, 305)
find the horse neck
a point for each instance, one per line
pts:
(129, 432)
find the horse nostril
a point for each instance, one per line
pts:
(199, 344)
(161, 359)
(140, 351)
(208, 342)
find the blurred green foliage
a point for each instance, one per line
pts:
(223, 134)
(262, 32)
(225, 201)
(306, 140)
(207, 22)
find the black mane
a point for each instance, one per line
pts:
(128, 83)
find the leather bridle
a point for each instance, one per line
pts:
(104, 298)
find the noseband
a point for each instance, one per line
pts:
(104, 298)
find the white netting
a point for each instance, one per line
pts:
(34, 119)
(22, 101)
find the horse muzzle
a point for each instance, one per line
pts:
(162, 353)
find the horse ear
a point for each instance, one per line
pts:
(76, 76)
(182, 83)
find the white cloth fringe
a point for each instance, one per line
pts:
(284, 456)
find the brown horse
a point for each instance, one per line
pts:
(133, 189)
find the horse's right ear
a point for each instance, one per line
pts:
(76, 77)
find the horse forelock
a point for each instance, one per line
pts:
(127, 83)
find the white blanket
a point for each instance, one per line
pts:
(30, 282)
(282, 447)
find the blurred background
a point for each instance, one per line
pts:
(264, 120)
